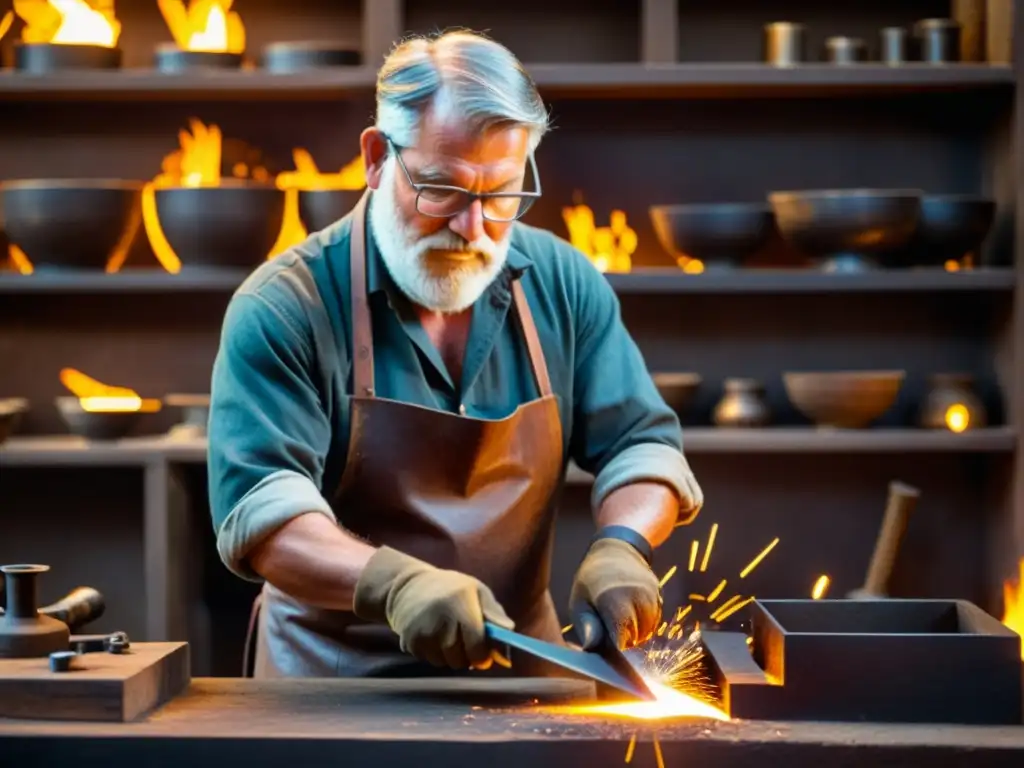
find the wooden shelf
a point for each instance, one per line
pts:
(643, 280)
(620, 80)
(68, 450)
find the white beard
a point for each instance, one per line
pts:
(405, 256)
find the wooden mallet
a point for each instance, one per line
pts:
(902, 501)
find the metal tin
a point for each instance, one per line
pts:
(845, 50)
(785, 43)
(893, 45)
(938, 40)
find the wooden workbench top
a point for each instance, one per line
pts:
(456, 722)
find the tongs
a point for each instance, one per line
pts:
(606, 665)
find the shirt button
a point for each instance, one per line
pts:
(462, 409)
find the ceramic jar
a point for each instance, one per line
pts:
(742, 405)
(952, 404)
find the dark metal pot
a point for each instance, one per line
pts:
(43, 58)
(170, 59)
(951, 403)
(951, 226)
(11, 409)
(319, 208)
(938, 40)
(71, 223)
(232, 225)
(677, 390)
(742, 405)
(96, 425)
(720, 235)
(848, 230)
(287, 57)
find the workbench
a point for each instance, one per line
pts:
(468, 722)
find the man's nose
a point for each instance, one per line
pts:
(469, 223)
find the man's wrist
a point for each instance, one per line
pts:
(629, 535)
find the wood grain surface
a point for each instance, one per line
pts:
(100, 686)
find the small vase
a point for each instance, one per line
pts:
(743, 405)
(952, 404)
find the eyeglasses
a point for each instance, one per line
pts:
(441, 201)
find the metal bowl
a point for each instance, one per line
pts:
(11, 409)
(96, 425)
(677, 389)
(170, 59)
(846, 399)
(320, 208)
(720, 235)
(849, 230)
(285, 57)
(951, 226)
(71, 223)
(195, 414)
(235, 224)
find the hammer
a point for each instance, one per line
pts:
(902, 501)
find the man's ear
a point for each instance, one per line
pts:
(374, 149)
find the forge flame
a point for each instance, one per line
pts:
(609, 248)
(669, 704)
(205, 25)
(69, 22)
(96, 397)
(1013, 605)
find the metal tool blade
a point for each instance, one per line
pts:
(612, 669)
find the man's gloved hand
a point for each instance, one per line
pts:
(437, 614)
(615, 589)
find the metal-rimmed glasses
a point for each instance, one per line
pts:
(442, 201)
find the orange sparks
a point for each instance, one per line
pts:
(668, 575)
(726, 605)
(657, 753)
(681, 613)
(711, 545)
(717, 591)
(566, 628)
(662, 628)
(820, 587)
(693, 554)
(698, 598)
(726, 614)
(754, 563)
(631, 748)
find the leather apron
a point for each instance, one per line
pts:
(473, 495)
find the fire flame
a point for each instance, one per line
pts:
(609, 248)
(307, 176)
(96, 397)
(5, 23)
(197, 163)
(1013, 605)
(958, 418)
(206, 25)
(69, 22)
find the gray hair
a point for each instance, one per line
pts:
(461, 75)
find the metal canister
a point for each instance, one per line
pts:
(785, 43)
(893, 46)
(845, 50)
(938, 40)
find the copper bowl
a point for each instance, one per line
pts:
(845, 399)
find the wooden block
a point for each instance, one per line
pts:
(100, 687)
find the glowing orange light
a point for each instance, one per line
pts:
(609, 248)
(958, 418)
(820, 587)
(69, 22)
(1013, 605)
(668, 703)
(206, 25)
(96, 397)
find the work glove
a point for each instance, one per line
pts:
(437, 614)
(615, 596)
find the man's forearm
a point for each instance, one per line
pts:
(313, 560)
(648, 508)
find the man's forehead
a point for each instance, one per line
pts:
(454, 144)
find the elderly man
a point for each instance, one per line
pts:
(395, 401)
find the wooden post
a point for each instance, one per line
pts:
(659, 30)
(382, 27)
(972, 16)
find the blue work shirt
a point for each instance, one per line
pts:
(280, 395)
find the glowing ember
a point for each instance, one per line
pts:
(609, 248)
(96, 397)
(691, 266)
(69, 22)
(754, 563)
(1013, 605)
(958, 418)
(820, 587)
(711, 545)
(19, 260)
(206, 25)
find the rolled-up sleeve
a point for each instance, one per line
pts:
(623, 432)
(268, 429)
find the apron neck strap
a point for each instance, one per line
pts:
(362, 329)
